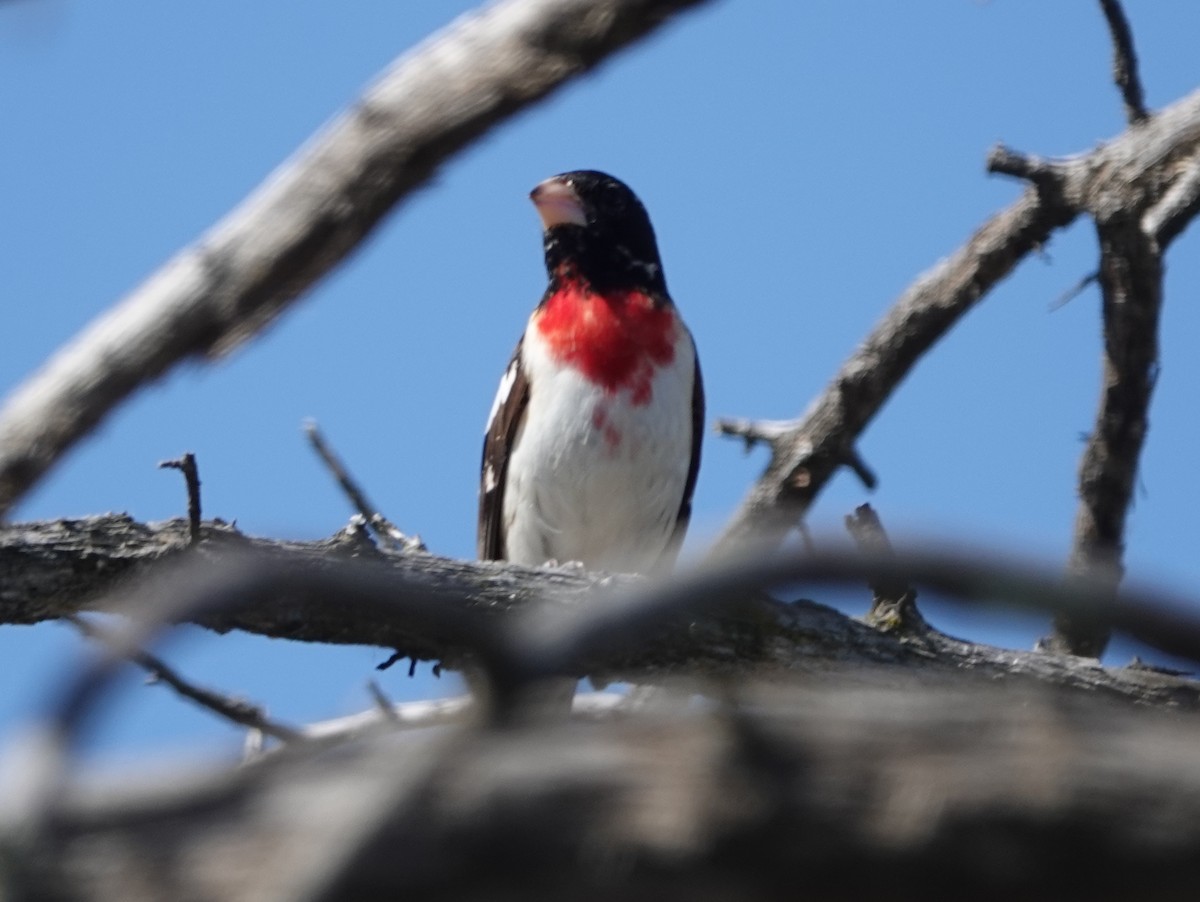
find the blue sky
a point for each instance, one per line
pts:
(802, 163)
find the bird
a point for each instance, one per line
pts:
(592, 446)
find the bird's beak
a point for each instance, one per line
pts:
(558, 203)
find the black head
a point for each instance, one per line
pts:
(596, 226)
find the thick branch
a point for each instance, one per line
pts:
(54, 568)
(706, 786)
(48, 570)
(313, 211)
(983, 792)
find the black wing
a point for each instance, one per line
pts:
(511, 401)
(685, 504)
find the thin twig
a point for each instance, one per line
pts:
(853, 460)
(333, 463)
(1075, 291)
(1125, 66)
(383, 704)
(754, 432)
(779, 435)
(388, 533)
(893, 603)
(1177, 207)
(236, 710)
(191, 476)
(1003, 160)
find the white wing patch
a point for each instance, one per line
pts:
(502, 393)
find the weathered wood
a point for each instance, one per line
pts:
(51, 569)
(1135, 171)
(818, 790)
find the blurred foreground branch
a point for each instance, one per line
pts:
(899, 767)
(313, 211)
(850, 792)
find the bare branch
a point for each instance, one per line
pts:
(387, 531)
(611, 627)
(893, 604)
(235, 710)
(419, 715)
(49, 570)
(781, 433)
(897, 792)
(1165, 220)
(1131, 275)
(191, 477)
(313, 211)
(1125, 67)
(1075, 290)
(803, 460)
(383, 704)
(1136, 170)
(1177, 207)
(753, 432)
(1002, 160)
(430, 607)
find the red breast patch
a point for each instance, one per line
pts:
(616, 340)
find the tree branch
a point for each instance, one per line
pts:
(49, 570)
(868, 791)
(1140, 168)
(385, 530)
(235, 710)
(805, 456)
(1125, 68)
(893, 604)
(589, 706)
(390, 801)
(1177, 207)
(191, 477)
(313, 211)
(1130, 277)
(1131, 274)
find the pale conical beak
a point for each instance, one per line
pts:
(558, 204)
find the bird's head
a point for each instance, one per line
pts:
(596, 229)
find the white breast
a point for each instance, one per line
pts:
(593, 477)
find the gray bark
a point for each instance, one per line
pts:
(815, 790)
(1149, 170)
(51, 569)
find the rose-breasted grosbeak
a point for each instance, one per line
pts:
(593, 442)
